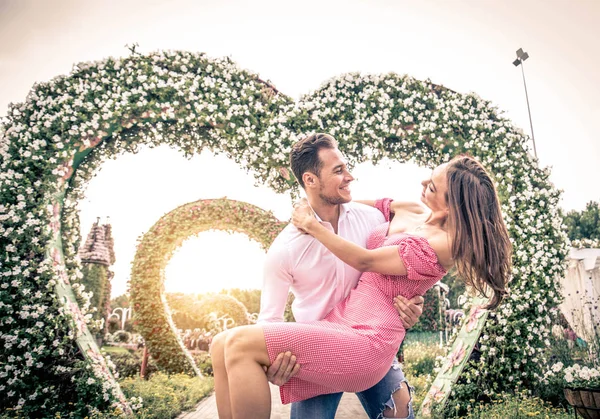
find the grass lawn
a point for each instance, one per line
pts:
(114, 350)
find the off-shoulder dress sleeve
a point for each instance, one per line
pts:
(384, 205)
(419, 258)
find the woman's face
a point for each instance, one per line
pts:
(435, 188)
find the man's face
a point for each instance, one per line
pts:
(334, 179)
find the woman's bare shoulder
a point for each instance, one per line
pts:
(408, 206)
(441, 243)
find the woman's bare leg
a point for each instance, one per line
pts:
(245, 355)
(217, 355)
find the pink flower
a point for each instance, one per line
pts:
(474, 315)
(56, 257)
(78, 317)
(456, 357)
(434, 394)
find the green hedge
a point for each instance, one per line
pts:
(165, 396)
(129, 363)
(517, 407)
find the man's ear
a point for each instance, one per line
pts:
(310, 179)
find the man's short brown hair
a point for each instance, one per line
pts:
(304, 156)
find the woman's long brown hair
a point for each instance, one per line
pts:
(481, 246)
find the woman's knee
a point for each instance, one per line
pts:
(235, 345)
(402, 403)
(217, 345)
(243, 344)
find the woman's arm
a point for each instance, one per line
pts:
(385, 260)
(396, 206)
(369, 202)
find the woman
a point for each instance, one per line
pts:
(353, 347)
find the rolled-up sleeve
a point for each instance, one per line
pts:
(419, 258)
(384, 205)
(277, 280)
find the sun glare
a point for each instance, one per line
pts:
(215, 260)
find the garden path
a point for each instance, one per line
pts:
(350, 408)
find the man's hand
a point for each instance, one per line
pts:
(282, 369)
(409, 310)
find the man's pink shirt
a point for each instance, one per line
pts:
(300, 263)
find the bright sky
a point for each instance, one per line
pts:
(466, 45)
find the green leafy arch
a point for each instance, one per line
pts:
(52, 143)
(151, 312)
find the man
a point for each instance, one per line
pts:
(319, 280)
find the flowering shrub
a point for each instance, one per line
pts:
(52, 143)
(515, 406)
(586, 244)
(151, 311)
(575, 376)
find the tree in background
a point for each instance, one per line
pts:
(187, 310)
(249, 298)
(584, 224)
(120, 301)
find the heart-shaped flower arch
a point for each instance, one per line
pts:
(154, 252)
(191, 102)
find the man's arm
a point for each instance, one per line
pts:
(276, 286)
(277, 279)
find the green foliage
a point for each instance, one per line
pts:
(561, 351)
(288, 315)
(420, 358)
(119, 301)
(183, 309)
(456, 288)
(204, 362)
(518, 406)
(155, 250)
(166, 396)
(430, 319)
(129, 363)
(221, 305)
(419, 363)
(584, 224)
(95, 279)
(426, 338)
(249, 298)
(122, 336)
(115, 350)
(192, 312)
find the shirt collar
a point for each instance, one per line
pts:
(344, 210)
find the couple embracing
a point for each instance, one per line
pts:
(357, 270)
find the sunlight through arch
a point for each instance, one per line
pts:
(155, 250)
(213, 261)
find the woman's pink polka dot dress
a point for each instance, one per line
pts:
(353, 347)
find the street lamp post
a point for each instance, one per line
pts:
(522, 56)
